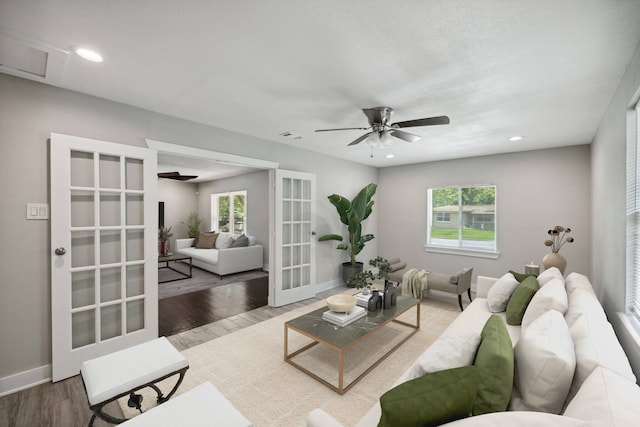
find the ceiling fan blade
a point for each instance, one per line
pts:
(330, 130)
(362, 138)
(430, 121)
(176, 176)
(380, 115)
(405, 136)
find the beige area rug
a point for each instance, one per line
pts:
(248, 367)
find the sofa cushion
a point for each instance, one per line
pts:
(549, 274)
(577, 281)
(446, 353)
(495, 364)
(206, 240)
(545, 361)
(519, 419)
(596, 345)
(606, 399)
(583, 301)
(551, 296)
(520, 299)
(431, 399)
(499, 294)
(240, 242)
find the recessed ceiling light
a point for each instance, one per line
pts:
(89, 54)
(516, 138)
(389, 156)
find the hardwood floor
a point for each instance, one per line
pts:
(184, 312)
(64, 403)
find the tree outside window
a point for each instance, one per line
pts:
(229, 211)
(470, 214)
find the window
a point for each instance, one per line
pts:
(462, 218)
(443, 217)
(228, 212)
(633, 217)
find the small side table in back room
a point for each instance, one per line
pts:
(174, 258)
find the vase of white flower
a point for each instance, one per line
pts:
(558, 237)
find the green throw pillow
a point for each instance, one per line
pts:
(430, 400)
(520, 299)
(520, 276)
(495, 364)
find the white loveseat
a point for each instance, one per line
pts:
(600, 391)
(223, 261)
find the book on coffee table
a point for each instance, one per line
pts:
(343, 319)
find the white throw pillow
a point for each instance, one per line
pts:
(446, 353)
(596, 345)
(499, 294)
(606, 399)
(549, 274)
(544, 363)
(222, 238)
(227, 243)
(551, 296)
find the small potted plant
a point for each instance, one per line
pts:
(163, 240)
(365, 278)
(193, 223)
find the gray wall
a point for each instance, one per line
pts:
(608, 184)
(257, 188)
(180, 199)
(29, 112)
(535, 190)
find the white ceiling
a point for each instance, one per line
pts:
(544, 69)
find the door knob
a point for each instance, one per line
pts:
(60, 251)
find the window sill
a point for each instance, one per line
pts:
(462, 251)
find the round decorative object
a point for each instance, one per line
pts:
(341, 303)
(554, 259)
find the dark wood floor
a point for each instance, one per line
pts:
(184, 312)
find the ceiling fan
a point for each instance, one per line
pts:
(176, 176)
(379, 126)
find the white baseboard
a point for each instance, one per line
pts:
(25, 379)
(328, 285)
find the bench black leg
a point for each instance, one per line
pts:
(460, 302)
(469, 293)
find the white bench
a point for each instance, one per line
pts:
(110, 377)
(201, 406)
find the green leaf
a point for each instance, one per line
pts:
(330, 237)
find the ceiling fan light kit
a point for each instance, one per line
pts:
(380, 131)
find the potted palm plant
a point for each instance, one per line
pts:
(193, 223)
(352, 214)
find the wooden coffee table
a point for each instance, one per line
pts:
(342, 339)
(174, 258)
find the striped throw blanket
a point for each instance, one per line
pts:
(414, 282)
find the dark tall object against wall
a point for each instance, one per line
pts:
(160, 214)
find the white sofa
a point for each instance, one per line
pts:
(602, 389)
(223, 261)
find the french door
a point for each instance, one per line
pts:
(293, 278)
(104, 294)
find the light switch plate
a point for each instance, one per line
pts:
(37, 211)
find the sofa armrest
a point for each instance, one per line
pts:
(483, 285)
(183, 243)
(319, 418)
